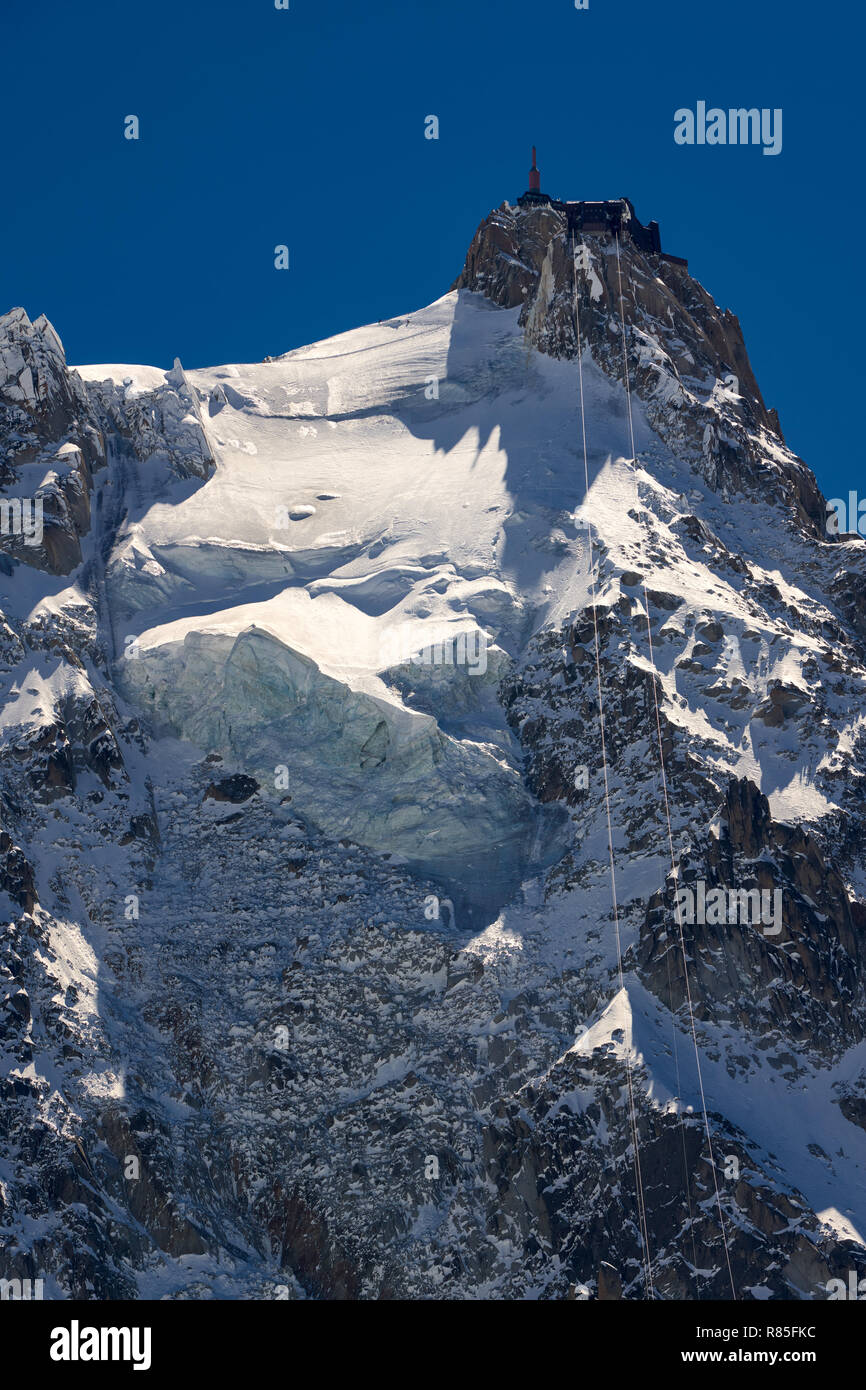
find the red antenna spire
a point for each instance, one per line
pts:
(534, 176)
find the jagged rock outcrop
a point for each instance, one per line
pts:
(161, 423)
(686, 357)
(794, 980)
(51, 443)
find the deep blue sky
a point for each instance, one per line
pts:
(306, 127)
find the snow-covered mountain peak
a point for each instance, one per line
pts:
(305, 805)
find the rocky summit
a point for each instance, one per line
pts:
(431, 808)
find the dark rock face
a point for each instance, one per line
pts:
(678, 340)
(236, 789)
(848, 589)
(46, 419)
(802, 982)
(542, 1153)
(16, 875)
(79, 739)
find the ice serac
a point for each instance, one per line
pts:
(357, 760)
(309, 983)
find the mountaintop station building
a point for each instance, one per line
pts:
(616, 215)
